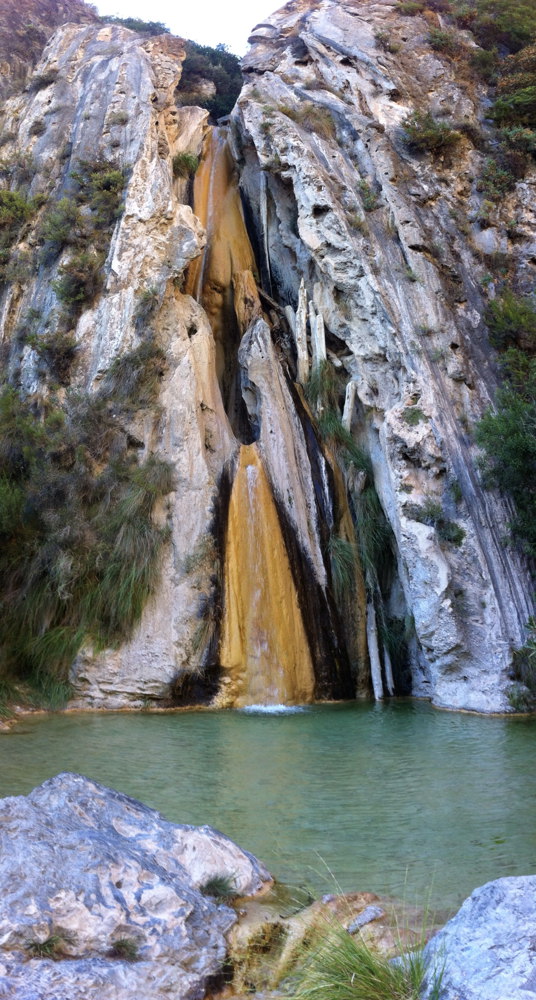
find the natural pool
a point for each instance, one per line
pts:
(397, 798)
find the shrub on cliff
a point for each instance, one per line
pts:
(137, 24)
(511, 320)
(507, 436)
(79, 549)
(425, 133)
(216, 65)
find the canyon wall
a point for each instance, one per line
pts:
(347, 259)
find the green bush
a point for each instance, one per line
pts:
(524, 664)
(58, 351)
(507, 436)
(444, 41)
(511, 321)
(425, 133)
(410, 7)
(62, 226)
(185, 164)
(136, 24)
(495, 181)
(217, 65)
(80, 280)
(413, 415)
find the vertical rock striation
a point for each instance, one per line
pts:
(378, 237)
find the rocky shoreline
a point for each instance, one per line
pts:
(103, 898)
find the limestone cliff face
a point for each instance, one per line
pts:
(355, 244)
(394, 260)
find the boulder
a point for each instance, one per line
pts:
(488, 950)
(101, 897)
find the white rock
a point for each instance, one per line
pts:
(93, 866)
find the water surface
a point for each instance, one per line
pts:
(394, 799)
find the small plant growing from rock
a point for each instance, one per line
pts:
(426, 134)
(444, 41)
(431, 512)
(52, 947)
(118, 118)
(220, 887)
(126, 949)
(368, 196)
(185, 164)
(413, 415)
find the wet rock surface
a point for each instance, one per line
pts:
(83, 870)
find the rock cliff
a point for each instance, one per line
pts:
(315, 371)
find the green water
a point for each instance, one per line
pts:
(394, 799)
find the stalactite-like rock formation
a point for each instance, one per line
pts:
(312, 311)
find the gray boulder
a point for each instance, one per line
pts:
(100, 897)
(488, 950)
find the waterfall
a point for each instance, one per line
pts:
(264, 649)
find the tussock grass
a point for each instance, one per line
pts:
(343, 967)
(79, 547)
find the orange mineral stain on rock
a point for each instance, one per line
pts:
(228, 250)
(264, 651)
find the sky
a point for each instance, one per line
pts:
(208, 22)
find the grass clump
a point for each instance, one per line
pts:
(134, 378)
(185, 164)
(313, 117)
(384, 40)
(41, 80)
(118, 118)
(220, 887)
(343, 967)
(52, 947)
(126, 949)
(425, 133)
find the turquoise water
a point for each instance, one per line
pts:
(397, 799)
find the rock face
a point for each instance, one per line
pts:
(487, 949)
(85, 868)
(345, 253)
(378, 236)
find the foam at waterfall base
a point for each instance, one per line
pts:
(273, 709)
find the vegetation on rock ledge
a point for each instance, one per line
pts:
(79, 545)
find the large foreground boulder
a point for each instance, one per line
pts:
(100, 897)
(488, 950)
